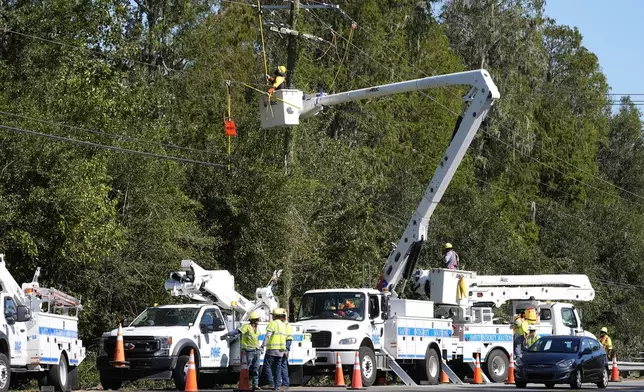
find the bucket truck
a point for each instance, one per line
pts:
(158, 342)
(39, 336)
(410, 337)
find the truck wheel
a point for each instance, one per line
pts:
(497, 366)
(5, 373)
(58, 375)
(432, 366)
(181, 371)
(112, 384)
(367, 366)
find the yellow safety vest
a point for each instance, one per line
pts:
(250, 337)
(530, 340)
(277, 341)
(289, 331)
(521, 329)
(607, 343)
(278, 83)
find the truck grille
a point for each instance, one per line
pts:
(134, 346)
(321, 339)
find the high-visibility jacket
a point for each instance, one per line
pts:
(277, 340)
(606, 342)
(278, 81)
(250, 337)
(522, 328)
(530, 340)
(289, 336)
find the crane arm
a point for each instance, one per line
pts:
(9, 284)
(218, 287)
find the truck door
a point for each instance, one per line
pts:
(16, 332)
(214, 351)
(377, 323)
(569, 322)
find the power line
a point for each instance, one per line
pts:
(107, 147)
(112, 135)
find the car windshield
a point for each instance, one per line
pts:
(334, 306)
(556, 345)
(166, 317)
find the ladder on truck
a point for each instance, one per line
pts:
(502, 288)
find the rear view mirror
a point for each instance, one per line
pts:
(23, 314)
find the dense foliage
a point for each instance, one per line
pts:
(553, 183)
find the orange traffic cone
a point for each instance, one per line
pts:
(511, 371)
(478, 376)
(119, 352)
(444, 378)
(191, 377)
(614, 375)
(356, 379)
(243, 374)
(339, 375)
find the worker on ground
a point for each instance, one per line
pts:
(275, 345)
(278, 80)
(289, 340)
(250, 344)
(451, 257)
(532, 337)
(520, 328)
(606, 341)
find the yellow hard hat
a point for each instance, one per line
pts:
(448, 245)
(282, 69)
(279, 312)
(604, 329)
(253, 316)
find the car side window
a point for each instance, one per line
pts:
(568, 318)
(374, 307)
(9, 306)
(585, 344)
(594, 345)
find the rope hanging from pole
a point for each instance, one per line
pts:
(261, 32)
(346, 50)
(229, 125)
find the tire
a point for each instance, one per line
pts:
(5, 373)
(550, 385)
(577, 379)
(180, 371)
(59, 375)
(111, 384)
(367, 366)
(520, 385)
(432, 366)
(74, 382)
(604, 381)
(497, 366)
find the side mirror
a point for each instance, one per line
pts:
(218, 325)
(24, 314)
(206, 328)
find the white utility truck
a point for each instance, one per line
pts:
(413, 337)
(39, 336)
(158, 342)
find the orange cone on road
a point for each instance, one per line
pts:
(243, 374)
(614, 375)
(339, 375)
(444, 378)
(478, 376)
(356, 379)
(191, 376)
(119, 351)
(511, 371)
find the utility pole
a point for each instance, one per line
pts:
(291, 64)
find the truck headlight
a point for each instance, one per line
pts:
(348, 341)
(166, 342)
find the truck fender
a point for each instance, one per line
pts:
(4, 345)
(183, 348)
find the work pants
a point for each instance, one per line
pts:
(253, 365)
(273, 366)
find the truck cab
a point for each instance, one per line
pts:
(343, 321)
(555, 318)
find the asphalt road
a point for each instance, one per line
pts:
(622, 386)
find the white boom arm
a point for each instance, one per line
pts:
(502, 288)
(9, 284)
(218, 287)
(290, 105)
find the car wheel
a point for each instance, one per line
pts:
(181, 371)
(520, 384)
(5, 373)
(58, 375)
(576, 379)
(604, 381)
(497, 366)
(550, 385)
(111, 384)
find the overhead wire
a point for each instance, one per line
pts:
(108, 147)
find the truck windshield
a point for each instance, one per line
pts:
(166, 317)
(335, 305)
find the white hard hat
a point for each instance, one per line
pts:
(532, 328)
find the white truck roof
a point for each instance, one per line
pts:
(363, 290)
